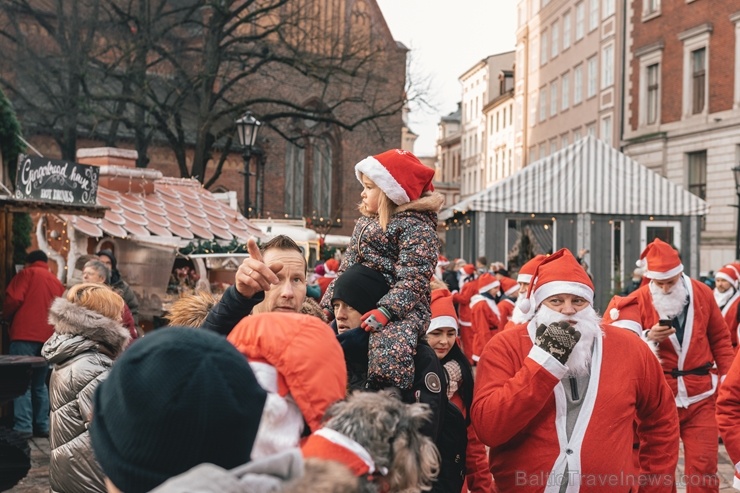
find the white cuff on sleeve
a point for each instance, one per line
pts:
(548, 362)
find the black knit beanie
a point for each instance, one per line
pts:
(360, 287)
(115, 276)
(174, 399)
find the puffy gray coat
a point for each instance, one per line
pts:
(81, 351)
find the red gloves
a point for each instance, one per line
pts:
(375, 319)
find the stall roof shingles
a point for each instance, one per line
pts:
(175, 209)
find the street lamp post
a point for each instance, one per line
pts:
(246, 129)
(736, 174)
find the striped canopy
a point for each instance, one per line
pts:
(588, 176)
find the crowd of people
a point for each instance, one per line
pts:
(411, 373)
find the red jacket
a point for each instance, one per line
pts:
(729, 312)
(28, 299)
(705, 340)
(486, 322)
(519, 411)
(728, 415)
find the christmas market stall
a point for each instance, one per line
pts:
(152, 224)
(588, 197)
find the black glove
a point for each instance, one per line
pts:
(558, 339)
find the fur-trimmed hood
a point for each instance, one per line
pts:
(77, 329)
(428, 202)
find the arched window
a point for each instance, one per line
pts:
(322, 176)
(295, 171)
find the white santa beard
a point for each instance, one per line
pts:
(723, 298)
(671, 304)
(519, 316)
(588, 323)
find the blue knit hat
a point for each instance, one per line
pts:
(176, 398)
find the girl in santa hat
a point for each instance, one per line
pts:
(464, 465)
(395, 236)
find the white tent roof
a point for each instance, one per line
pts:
(588, 176)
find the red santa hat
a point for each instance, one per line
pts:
(527, 270)
(509, 285)
(468, 269)
(560, 273)
(487, 282)
(729, 274)
(624, 312)
(660, 261)
(442, 261)
(443, 311)
(329, 444)
(331, 267)
(399, 174)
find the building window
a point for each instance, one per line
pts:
(565, 86)
(607, 66)
(543, 48)
(697, 162)
(554, 98)
(577, 134)
(591, 129)
(553, 146)
(564, 141)
(651, 6)
(593, 15)
(580, 19)
(593, 64)
(698, 80)
(322, 167)
(543, 104)
(578, 84)
(653, 93)
(606, 129)
(543, 150)
(608, 8)
(555, 40)
(566, 31)
(295, 166)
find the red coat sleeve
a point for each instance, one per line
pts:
(657, 427)
(478, 477)
(16, 293)
(509, 392)
(466, 292)
(728, 414)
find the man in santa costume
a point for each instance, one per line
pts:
(728, 416)
(556, 398)
(485, 317)
(461, 299)
(507, 302)
(680, 317)
(524, 278)
(727, 296)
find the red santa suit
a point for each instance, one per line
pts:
(507, 303)
(464, 313)
(486, 318)
(686, 364)
(519, 411)
(729, 309)
(728, 416)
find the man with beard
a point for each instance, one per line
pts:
(556, 399)
(681, 318)
(727, 297)
(524, 278)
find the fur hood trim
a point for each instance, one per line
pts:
(70, 319)
(428, 202)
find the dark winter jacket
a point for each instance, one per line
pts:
(406, 255)
(81, 350)
(230, 309)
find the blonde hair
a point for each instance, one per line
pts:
(386, 207)
(191, 310)
(98, 298)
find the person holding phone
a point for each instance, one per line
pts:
(681, 319)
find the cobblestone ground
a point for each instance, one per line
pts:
(38, 477)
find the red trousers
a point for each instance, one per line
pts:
(701, 447)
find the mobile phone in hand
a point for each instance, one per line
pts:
(666, 322)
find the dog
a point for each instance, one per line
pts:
(378, 437)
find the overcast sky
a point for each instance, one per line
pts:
(447, 37)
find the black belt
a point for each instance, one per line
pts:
(702, 370)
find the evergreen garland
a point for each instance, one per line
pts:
(212, 246)
(22, 227)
